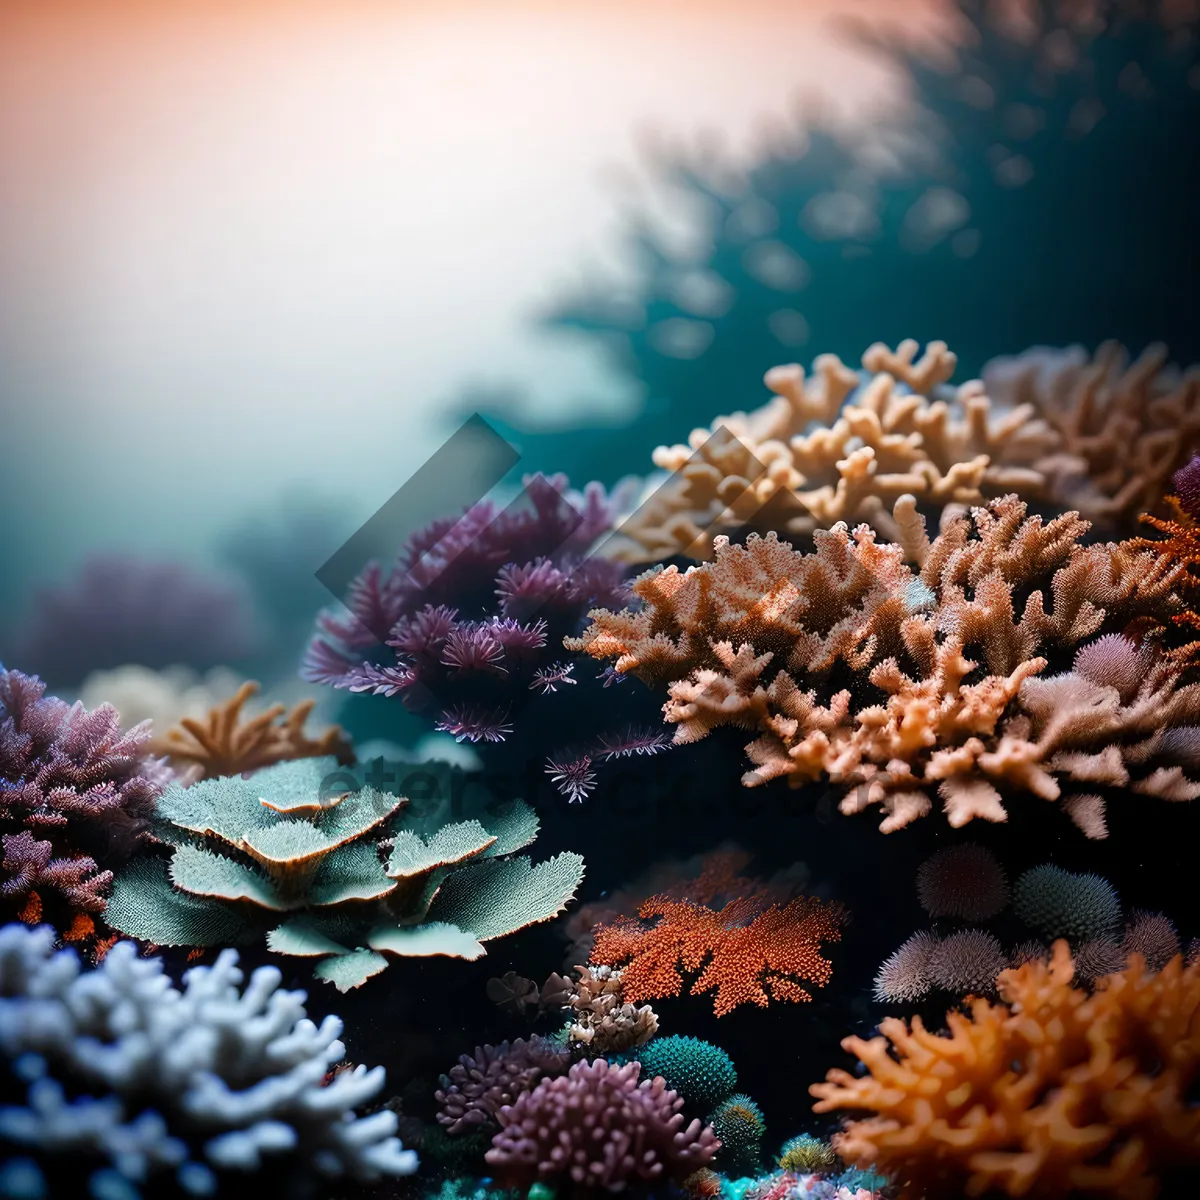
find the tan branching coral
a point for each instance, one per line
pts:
(602, 1020)
(227, 743)
(1056, 1091)
(945, 693)
(1132, 423)
(830, 447)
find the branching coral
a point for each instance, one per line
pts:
(1053, 1092)
(749, 952)
(73, 786)
(835, 448)
(124, 1068)
(738, 640)
(471, 616)
(478, 1086)
(598, 1128)
(120, 610)
(226, 743)
(343, 876)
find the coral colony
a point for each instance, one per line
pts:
(907, 913)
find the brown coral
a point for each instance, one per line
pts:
(942, 663)
(749, 952)
(226, 743)
(1056, 1091)
(830, 448)
(603, 1020)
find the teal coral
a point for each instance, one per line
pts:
(346, 878)
(702, 1073)
(740, 1125)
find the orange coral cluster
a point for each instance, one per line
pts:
(225, 743)
(945, 666)
(1179, 549)
(1055, 1092)
(748, 950)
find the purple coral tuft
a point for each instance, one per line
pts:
(1187, 487)
(601, 1129)
(120, 609)
(71, 784)
(479, 1085)
(473, 609)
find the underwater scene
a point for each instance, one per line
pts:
(782, 784)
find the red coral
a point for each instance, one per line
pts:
(749, 953)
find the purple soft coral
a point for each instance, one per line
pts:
(71, 783)
(121, 609)
(599, 1128)
(474, 609)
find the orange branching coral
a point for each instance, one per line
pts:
(942, 662)
(750, 953)
(1056, 1091)
(226, 743)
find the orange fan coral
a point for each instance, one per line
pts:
(224, 743)
(749, 952)
(1055, 1092)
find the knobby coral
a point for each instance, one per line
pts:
(73, 788)
(747, 951)
(123, 1067)
(598, 1128)
(480, 1085)
(226, 743)
(344, 876)
(471, 616)
(1055, 1091)
(738, 641)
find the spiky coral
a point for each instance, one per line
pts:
(343, 876)
(748, 951)
(1053, 1092)
(472, 613)
(226, 743)
(703, 1074)
(738, 639)
(73, 786)
(963, 881)
(739, 1124)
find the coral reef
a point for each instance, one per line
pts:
(1055, 1091)
(963, 881)
(121, 609)
(478, 1086)
(74, 791)
(703, 1074)
(224, 742)
(737, 640)
(749, 951)
(127, 1071)
(471, 616)
(344, 876)
(598, 1128)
